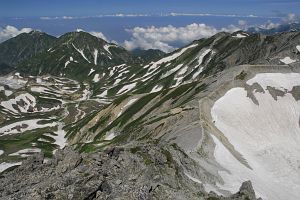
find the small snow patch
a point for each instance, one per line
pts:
(197, 73)
(287, 60)
(103, 94)
(202, 55)
(110, 136)
(81, 52)
(157, 88)
(95, 56)
(96, 78)
(126, 88)
(25, 152)
(4, 166)
(240, 35)
(91, 71)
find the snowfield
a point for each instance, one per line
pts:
(126, 88)
(59, 138)
(81, 53)
(4, 166)
(171, 57)
(96, 78)
(156, 88)
(13, 82)
(110, 136)
(202, 55)
(25, 152)
(298, 47)
(287, 60)
(239, 35)
(131, 101)
(22, 126)
(266, 135)
(27, 99)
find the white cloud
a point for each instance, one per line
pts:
(290, 18)
(242, 22)
(163, 37)
(99, 35)
(94, 33)
(270, 25)
(11, 31)
(61, 17)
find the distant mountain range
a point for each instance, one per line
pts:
(292, 27)
(38, 53)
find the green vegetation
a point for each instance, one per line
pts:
(241, 76)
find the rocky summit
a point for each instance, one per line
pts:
(82, 118)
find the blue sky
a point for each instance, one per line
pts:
(129, 22)
(26, 8)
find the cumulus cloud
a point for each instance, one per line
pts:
(11, 31)
(290, 18)
(99, 35)
(95, 33)
(270, 25)
(163, 37)
(242, 22)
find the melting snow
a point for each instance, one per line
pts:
(197, 73)
(22, 126)
(28, 99)
(183, 70)
(266, 135)
(298, 47)
(7, 92)
(95, 56)
(59, 138)
(172, 71)
(69, 61)
(126, 88)
(96, 78)
(14, 83)
(66, 64)
(171, 57)
(287, 60)
(25, 152)
(131, 101)
(4, 166)
(107, 46)
(1, 152)
(85, 95)
(81, 52)
(103, 94)
(239, 35)
(156, 88)
(91, 71)
(202, 55)
(110, 136)
(117, 81)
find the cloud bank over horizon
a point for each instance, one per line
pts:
(163, 37)
(166, 37)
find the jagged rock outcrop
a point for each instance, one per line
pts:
(138, 173)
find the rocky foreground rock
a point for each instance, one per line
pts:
(118, 173)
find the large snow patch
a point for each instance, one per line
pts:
(267, 136)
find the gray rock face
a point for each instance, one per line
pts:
(142, 174)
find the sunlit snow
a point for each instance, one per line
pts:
(266, 135)
(287, 60)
